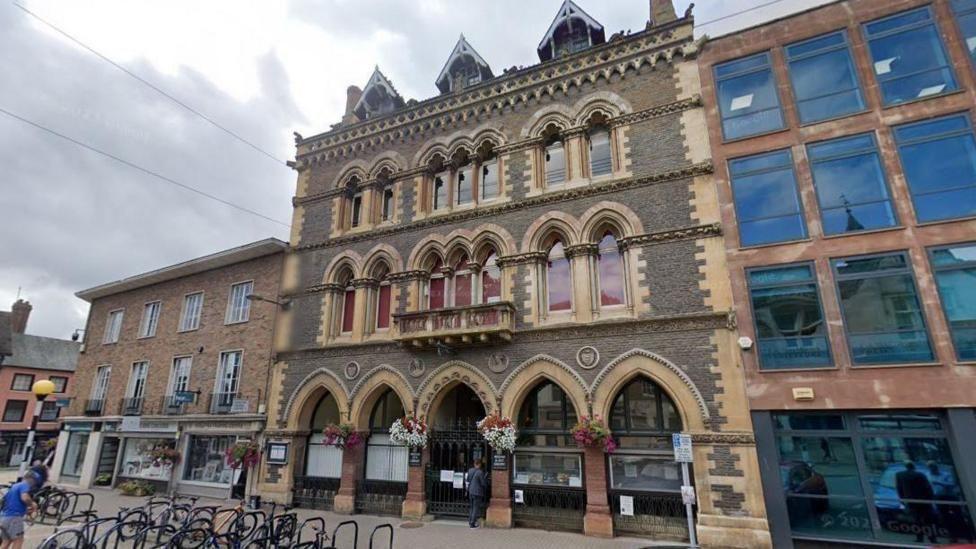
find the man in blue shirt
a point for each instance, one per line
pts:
(17, 503)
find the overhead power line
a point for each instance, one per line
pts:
(152, 86)
(737, 13)
(142, 169)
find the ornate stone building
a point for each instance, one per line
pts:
(545, 244)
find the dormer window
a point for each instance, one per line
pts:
(571, 31)
(571, 38)
(378, 98)
(464, 68)
(555, 164)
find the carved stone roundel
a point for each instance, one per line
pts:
(417, 367)
(498, 362)
(587, 357)
(351, 370)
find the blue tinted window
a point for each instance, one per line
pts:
(747, 97)
(955, 274)
(966, 15)
(823, 77)
(882, 313)
(851, 185)
(790, 329)
(766, 201)
(909, 59)
(939, 160)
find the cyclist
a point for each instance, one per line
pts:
(17, 503)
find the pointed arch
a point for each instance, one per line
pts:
(446, 376)
(382, 252)
(347, 258)
(365, 393)
(672, 380)
(494, 236)
(353, 168)
(306, 395)
(614, 214)
(430, 243)
(557, 113)
(538, 368)
(561, 222)
(607, 103)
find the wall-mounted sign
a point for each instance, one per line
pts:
(240, 406)
(184, 397)
(499, 462)
(415, 458)
(519, 496)
(278, 453)
(62, 402)
(682, 447)
(130, 423)
(627, 506)
(688, 495)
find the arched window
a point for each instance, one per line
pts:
(489, 179)
(354, 203)
(439, 194)
(462, 282)
(384, 461)
(436, 286)
(610, 272)
(321, 460)
(347, 312)
(601, 160)
(555, 164)
(491, 279)
(571, 37)
(544, 421)
(464, 188)
(559, 283)
(384, 296)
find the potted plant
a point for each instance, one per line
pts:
(103, 479)
(137, 488)
(341, 436)
(499, 432)
(243, 454)
(593, 433)
(165, 456)
(409, 431)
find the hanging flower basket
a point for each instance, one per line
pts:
(341, 436)
(409, 431)
(243, 454)
(593, 433)
(164, 455)
(499, 432)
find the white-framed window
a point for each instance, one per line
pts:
(137, 380)
(113, 326)
(150, 319)
(229, 372)
(238, 306)
(179, 377)
(100, 386)
(192, 310)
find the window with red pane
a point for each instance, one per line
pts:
(462, 282)
(436, 287)
(383, 306)
(491, 280)
(348, 309)
(558, 281)
(610, 272)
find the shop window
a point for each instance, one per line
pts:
(14, 411)
(489, 180)
(138, 461)
(610, 272)
(955, 274)
(22, 382)
(206, 460)
(384, 460)
(851, 185)
(965, 11)
(882, 313)
(323, 461)
(559, 284)
(533, 468)
(887, 477)
(909, 59)
(643, 417)
(824, 79)
(601, 159)
(766, 199)
(555, 166)
(939, 159)
(747, 97)
(790, 328)
(74, 454)
(491, 280)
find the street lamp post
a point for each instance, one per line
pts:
(41, 390)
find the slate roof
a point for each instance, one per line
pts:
(5, 344)
(47, 353)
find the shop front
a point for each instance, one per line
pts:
(73, 459)
(147, 459)
(203, 470)
(384, 485)
(317, 475)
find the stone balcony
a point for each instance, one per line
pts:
(457, 326)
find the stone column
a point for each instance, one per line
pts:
(580, 257)
(597, 521)
(415, 504)
(352, 470)
(499, 514)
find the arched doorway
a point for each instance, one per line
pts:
(643, 418)
(385, 476)
(317, 482)
(454, 445)
(547, 468)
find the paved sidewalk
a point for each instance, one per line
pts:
(438, 534)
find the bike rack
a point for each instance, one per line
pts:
(319, 532)
(386, 526)
(355, 539)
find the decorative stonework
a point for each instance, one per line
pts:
(732, 439)
(551, 360)
(403, 383)
(308, 379)
(498, 362)
(456, 372)
(351, 370)
(519, 259)
(672, 235)
(587, 357)
(417, 367)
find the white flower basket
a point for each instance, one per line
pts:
(410, 432)
(501, 439)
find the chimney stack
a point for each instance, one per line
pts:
(19, 314)
(353, 93)
(662, 12)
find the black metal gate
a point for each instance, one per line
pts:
(454, 447)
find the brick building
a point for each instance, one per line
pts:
(24, 359)
(544, 243)
(174, 358)
(843, 140)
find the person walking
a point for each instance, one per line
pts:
(17, 503)
(477, 483)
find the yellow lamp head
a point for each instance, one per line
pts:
(43, 388)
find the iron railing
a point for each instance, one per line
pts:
(171, 405)
(380, 497)
(315, 492)
(94, 406)
(131, 406)
(550, 508)
(233, 403)
(660, 515)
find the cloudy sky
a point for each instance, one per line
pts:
(73, 219)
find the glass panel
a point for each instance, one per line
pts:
(385, 461)
(966, 16)
(548, 469)
(383, 307)
(818, 466)
(748, 102)
(323, 461)
(806, 422)
(909, 59)
(22, 382)
(206, 461)
(348, 310)
(436, 293)
(387, 204)
(793, 273)
(137, 461)
(491, 280)
(326, 412)
(558, 280)
(440, 191)
(940, 169)
(642, 398)
(825, 83)
(464, 182)
(489, 180)
(829, 517)
(957, 290)
(644, 473)
(766, 199)
(462, 290)
(192, 304)
(74, 455)
(555, 163)
(600, 159)
(387, 410)
(549, 408)
(610, 266)
(790, 327)
(900, 422)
